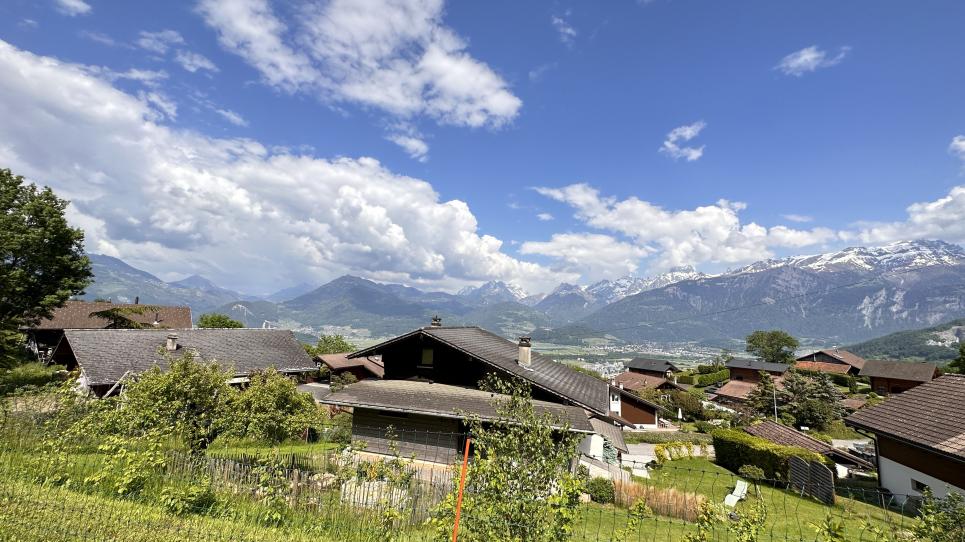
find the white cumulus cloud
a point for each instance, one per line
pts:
(545, 217)
(398, 57)
(957, 147)
(413, 146)
(72, 8)
(194, 62)
(810, 59)
(177, 201)
(710, 233)
(591, 256)
(938, 219)
(673, 149)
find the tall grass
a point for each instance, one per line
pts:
(667, 502)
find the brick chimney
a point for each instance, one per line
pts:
(172, 342)
(525, 357)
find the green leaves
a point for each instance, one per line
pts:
(42, 260)
(330, 344)
(773, 346)
(218, 321)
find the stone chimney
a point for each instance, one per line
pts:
(436, 322)
(525, 358)
(172, 342)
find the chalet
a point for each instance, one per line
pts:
(105, 357)
(919, 437)
(749, 370)
(362, 367)
(445, 365)
(637, 382)
(888, 377)
(833, 360)
(735, 392)
(654, 367)
(788, 436)
(45, 335)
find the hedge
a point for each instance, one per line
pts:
(686, 379)
(712, 378)
(707, 369)
(838, 378)
(735, 448)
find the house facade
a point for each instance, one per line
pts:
(435, 372)
(835, 360)
(106, 357)
(920, 438)
(889, 377)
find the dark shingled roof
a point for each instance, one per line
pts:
(494, 350)
(340, 362)
(915, 371)
(636, 381)
(612, 433)
(757, 365)
(76, 315)
(839, 354)
(104, 355)
(788, 436)
(655, 365)
(441, 400)
(931, 415)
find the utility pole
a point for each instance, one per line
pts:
(774, 391)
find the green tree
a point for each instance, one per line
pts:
(122, 317)
(509, 499)
(958, 364)
(941, 520)
(218, 321)
(763, 397)
(190, 398)
(272, 410)
(42, 260)
(330, 344)
(722, 359)
(773, 346)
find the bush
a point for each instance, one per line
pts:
(751, 472)
(28, 375)
(663, 437)
(686, 379)
(193, 499)
(705, 427)
(712, 378)
(735, 448)
(708, 369)
(601, 490)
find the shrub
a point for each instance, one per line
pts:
(712, 378)
(663, 437)
(686, 379)
(704, 427)
(707, 369)
(735, 448)
(193, 499)
(751, 472)
(28, 375)
(601, 490)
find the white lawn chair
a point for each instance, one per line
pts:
(739, 494)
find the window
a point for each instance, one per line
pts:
(426, 360)
(918, 486)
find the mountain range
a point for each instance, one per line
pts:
(834, 298)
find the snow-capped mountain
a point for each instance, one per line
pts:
(610, 291)
(893, 257)
(494, 291)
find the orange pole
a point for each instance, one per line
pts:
(462, 485)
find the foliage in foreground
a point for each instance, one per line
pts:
(509, 498)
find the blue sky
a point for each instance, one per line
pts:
(443, 144)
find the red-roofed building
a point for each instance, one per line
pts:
(834, 360)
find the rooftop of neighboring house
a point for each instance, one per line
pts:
(930, 416)
(788, 436)
(844, 356)
(502, 354)
(913, 371)
(738, 390)
(611, 432)
(341, 362)
(105, 355)
(652, 365)
(76, 315)
(636, 381)
(443, 401)
(757, 365)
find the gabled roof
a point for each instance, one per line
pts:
(104, 355)
(636, 381)
(442, 400)
(738, 390)
(654, 365)
(612, 433)
(495, 351)
(823, 367)
(915, 371)
(757, 365)
(76, 315)
(839, 354)
(930, 416)
(788, 436)
(340, 362)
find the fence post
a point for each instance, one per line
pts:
(462, 486)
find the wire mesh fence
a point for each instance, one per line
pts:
(384, 487)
